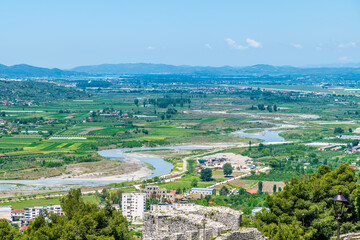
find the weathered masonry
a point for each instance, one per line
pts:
(196, 223)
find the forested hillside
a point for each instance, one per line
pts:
(35, 91)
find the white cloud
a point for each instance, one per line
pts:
(207, 45)
(296, 45)
(150, 48)
(345, 58)
(250, 44)
(253, 43)
(234, 45)
(347, 45)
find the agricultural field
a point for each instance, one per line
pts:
(61, 138)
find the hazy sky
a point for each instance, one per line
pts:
(69, 33)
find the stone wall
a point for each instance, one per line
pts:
(188, 224)
(243, 234)
(179, 226)
(230, 218)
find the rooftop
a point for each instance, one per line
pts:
(251, 191)
(18, 210)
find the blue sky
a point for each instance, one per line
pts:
(69, 33)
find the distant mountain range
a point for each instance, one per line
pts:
(335, 65)
(260, 69)
(23, 71)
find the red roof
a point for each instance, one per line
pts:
(3, 155)
(173, 192)
(18, 210)
(22, 228)
(352, 166)
(251, 191)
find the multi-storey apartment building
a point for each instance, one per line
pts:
(32, 212)
(155, 192)
(133, 205)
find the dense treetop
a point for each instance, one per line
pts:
(81, 221)
(312, 196)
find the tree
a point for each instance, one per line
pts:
(275, 108)
(208, 198)
(260, 187)
(357, 201)
(274, 188)
(246, 210)
(104, 194)
(206, 174)
(241, 191)
(116, 196)
(80, 221)
(7, 232)
(72, 203)
(338, 130)
(269, 108)
(224, 191)
(227, 168)
(261, 146)
(178, 190)
(311, 195)
(194, 183)
(261, 107)
(171, 111)
(136, 102)
(150, 201)
(350, 130)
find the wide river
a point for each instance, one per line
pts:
(161, 167)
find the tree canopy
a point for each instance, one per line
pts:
(227, 168)
(82, 221)
(206, 174)
(312, 196)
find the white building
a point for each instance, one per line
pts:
(203, 191)
(133, 205)
(166, 207)
(54, 209)
(18, 214)
(155, 191)
(183, 205)
(32, 212)
(161, 207)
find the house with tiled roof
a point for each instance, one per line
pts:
(251, 191)
(17, 214)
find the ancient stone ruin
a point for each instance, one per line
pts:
(196, 223)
